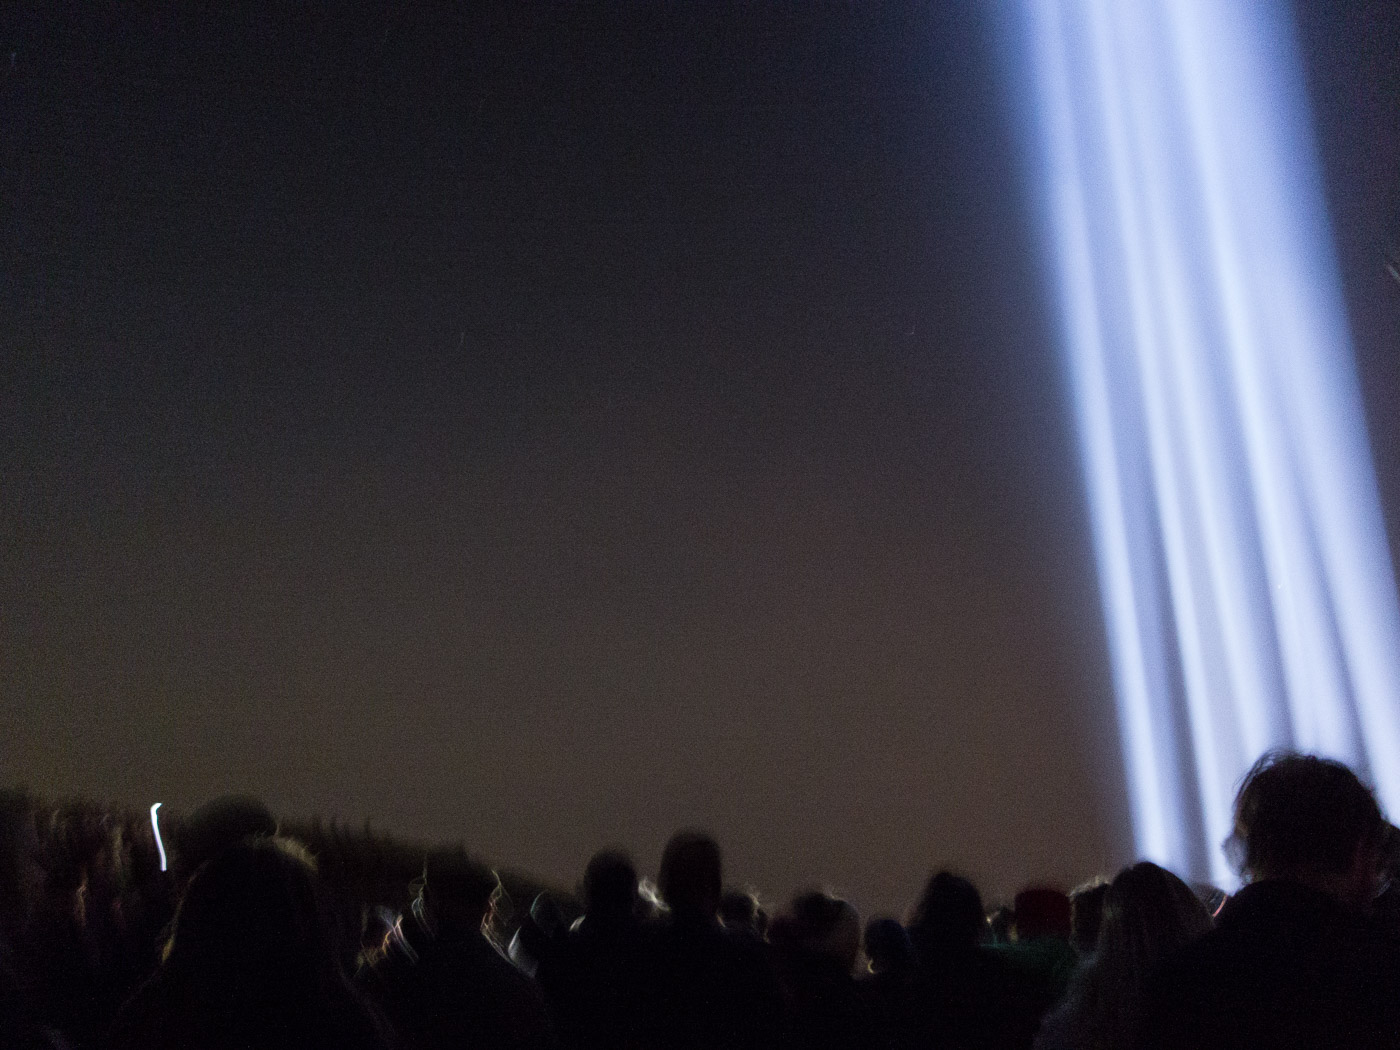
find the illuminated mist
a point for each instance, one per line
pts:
(1245, 579)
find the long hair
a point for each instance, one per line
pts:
(1148, 913)
(948, 920)
(250, 928)
(250, 963)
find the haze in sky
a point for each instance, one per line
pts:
(551, 428)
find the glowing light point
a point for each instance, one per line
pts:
(155, 828)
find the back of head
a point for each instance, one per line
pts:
(217, 825)
(610, 885)
(1042, 911)
(1001, 925)
(1147, 914)
(1085, 914)
(249, 928)
(691, 875)
(948, 917)
(1300, 815)
(740, 910)
(458, 890)
(821, 928)
(888, 946)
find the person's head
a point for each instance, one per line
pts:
(740, 910)
(1042, 911)
(948, 917)
(1085, 913)
(691, 875)
(820, 927)
(887, 946)
(1147, 913)
(1001, 924)
(1309, 819)
(610, 885)
(542, 923)
(217, 825)
(457, 891)
(249, 927)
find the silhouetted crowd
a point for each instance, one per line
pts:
(306, 936)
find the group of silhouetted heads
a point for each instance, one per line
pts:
(250, 926)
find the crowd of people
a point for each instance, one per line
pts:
(268, 935)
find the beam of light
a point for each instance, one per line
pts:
(1244, 571)
(155, 828)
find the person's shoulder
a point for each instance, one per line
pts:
(691, 938)
(737, 941)
(1205, 988)
(1062, 1028)
(138, 1020)
(492, 964)
(1383, 945)
(351, 1023)
(1203, 961)
(744, 953)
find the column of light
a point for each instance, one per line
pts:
(1243, 565)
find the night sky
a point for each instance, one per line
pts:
(552, 425)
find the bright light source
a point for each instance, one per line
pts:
(1243, 564)
(155, 827)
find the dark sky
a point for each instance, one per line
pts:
(551, 425)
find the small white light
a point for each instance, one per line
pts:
(155, 827)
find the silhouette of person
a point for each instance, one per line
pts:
(713, 989)
(1294, 960)
(1085, 915)
(249, 964)
(21, 881)
(967, 994)
(892, 981)
(213, 827)
(1041, 953)
(741, 912)
(888, 949)
(444, 983)
(1147, 914)
(816, 943)
(599, 982)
